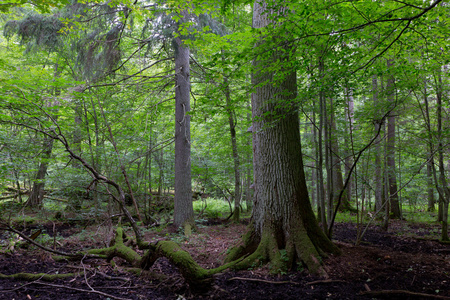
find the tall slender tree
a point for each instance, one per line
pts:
(183, 208)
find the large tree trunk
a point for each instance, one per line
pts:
(285, 230)
(183, 209)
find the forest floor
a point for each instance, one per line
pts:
(404, 259)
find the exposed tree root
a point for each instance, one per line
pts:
(324, 281)
(118, 249)
(91, 291)
(297, 248)
(198, 278)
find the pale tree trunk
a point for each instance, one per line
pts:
(183, 214)
(393, 194)
(284, 229)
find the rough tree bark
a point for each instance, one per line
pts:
(183, 210)
(284, 229)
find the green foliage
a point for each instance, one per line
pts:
(212, 208)
(101, 77)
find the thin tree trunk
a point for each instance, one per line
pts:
(443, 189)
(322, 124)
(393, 194)
(37, 192)
(328, 161)
(248, 194)
(431, 199)
(378, 166)
(237, 172)
(350, 110)
(337, 180)
(314, 168)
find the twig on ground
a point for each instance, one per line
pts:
(324, 281)
(390, 293)
(19, 287)
(112, 278)
(81, 290)
(263, 280)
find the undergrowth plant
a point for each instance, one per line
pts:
(214, 208)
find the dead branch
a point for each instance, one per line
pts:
(390, 293)
(262, 280)
(324, 281)
(81, 290)
(30, 240)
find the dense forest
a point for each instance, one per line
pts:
(201, 149)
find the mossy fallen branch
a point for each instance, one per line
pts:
(198, 278)
(118, 249)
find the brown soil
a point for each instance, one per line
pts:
(405, 258)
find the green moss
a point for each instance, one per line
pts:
(119, 249)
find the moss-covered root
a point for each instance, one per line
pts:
(248, 244)
(198, 278)
(119, 249)
(39, 276)
(298, 248)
